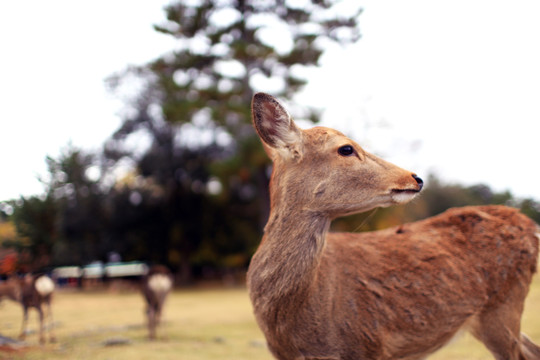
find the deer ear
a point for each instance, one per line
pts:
(275, 127)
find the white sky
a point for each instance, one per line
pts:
(455, 84)
(456, 81)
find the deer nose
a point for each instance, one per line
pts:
(419, 181)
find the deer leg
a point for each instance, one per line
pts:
(151, 323)
(499, 340)
(499, 328)
(157, 320)
(50, 325)
(41, 325)
(22, 336)
(529, 349)
(158, 315)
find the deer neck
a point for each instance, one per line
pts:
(287, 261)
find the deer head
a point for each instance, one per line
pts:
(324, 170)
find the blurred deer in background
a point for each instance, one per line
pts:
(32, 291)
(399, 293)
(156, 285)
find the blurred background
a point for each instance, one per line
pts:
(126, 132)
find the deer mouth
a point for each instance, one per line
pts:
(401, 196)
(405, 191)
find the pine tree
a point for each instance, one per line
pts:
(196, 99)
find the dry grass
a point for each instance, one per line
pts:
(199, 325)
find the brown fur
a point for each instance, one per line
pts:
(24, 292)
(10, 289)
(400, 293)
(155, 300)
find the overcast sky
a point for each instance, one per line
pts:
(434, 86)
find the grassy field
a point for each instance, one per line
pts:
(198, 325)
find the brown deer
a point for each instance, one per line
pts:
(156, 285)
(32, 291)
(400, 293)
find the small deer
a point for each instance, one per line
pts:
(399, 293)
(156, 285)
(32, 291)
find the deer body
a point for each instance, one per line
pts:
(32, 291)
(400, 293)
(156, 286)
(37, 292)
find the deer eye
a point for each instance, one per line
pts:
(346, 150)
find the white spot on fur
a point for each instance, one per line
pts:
(44, 285)
(160, 283)
(403, 197)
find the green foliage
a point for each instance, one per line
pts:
(34, 219)
(63, 225)
(224, 53)
(202, 180)
(531, 208)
